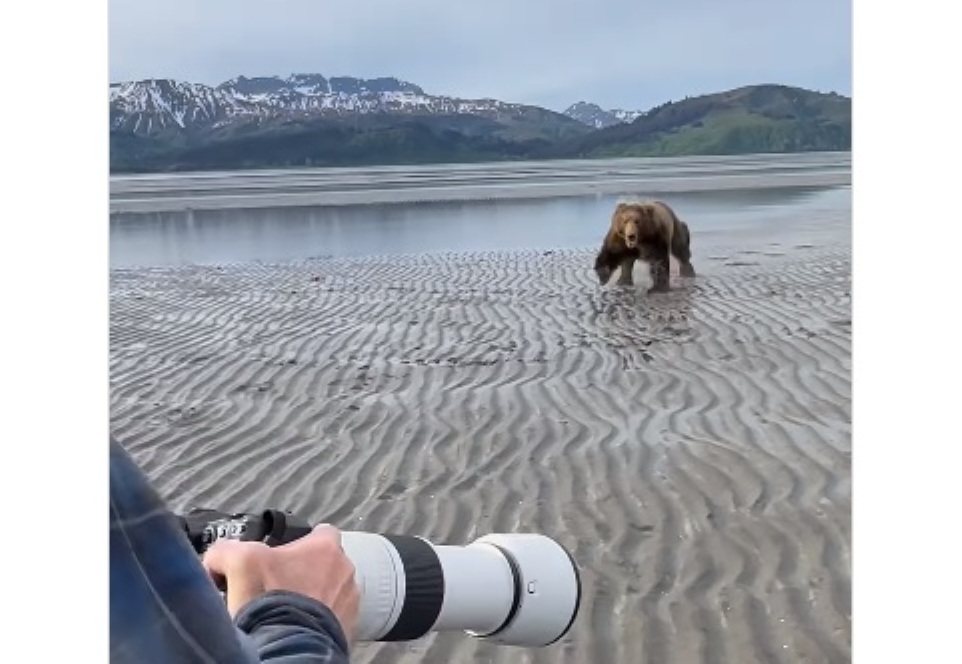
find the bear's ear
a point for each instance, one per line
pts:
(616, 215)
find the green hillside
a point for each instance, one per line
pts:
(762, 118)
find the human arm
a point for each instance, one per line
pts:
(289, 628)
(165, 608)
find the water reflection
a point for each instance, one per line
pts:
(276, 234)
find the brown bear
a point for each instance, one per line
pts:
(649, 231)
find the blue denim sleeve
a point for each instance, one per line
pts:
(164, 607)
(289, 628)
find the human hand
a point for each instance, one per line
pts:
(314, 565)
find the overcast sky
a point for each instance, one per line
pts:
(631, 54)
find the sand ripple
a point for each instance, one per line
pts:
(692, 449)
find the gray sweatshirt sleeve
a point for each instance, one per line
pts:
(288, 628)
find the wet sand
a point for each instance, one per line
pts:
(692, 449)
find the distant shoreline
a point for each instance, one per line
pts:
(172, 192)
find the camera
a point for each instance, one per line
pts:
(520, 589)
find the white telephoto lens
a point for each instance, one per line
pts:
(511, 589)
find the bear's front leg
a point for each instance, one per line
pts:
(660, 269)
(627, 266)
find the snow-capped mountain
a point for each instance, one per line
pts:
(597, 117)
(154, 105)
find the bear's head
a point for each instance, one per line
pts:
(627, 222)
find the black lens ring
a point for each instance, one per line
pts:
(423, 588)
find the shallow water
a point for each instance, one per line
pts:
(206, 237)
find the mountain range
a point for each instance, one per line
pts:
(309, 119)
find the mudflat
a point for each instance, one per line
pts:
(691, 449)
